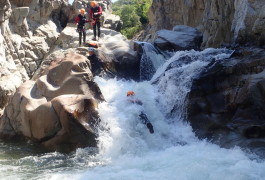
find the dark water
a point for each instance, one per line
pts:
(28, 161)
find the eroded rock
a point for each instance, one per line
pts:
(59, 109)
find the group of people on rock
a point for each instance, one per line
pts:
(95, 13)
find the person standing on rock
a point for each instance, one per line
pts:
(81, 20)
(95, 14)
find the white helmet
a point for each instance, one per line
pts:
(91, 49)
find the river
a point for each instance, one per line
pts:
(127, 151)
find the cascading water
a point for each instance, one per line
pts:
(128, 151)
(151, 60)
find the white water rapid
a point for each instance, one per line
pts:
(127, 151)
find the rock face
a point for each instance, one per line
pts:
(12, 73)
(226, 103)
(58, 110)
(226, 21)
(27, 36)
(180, 38)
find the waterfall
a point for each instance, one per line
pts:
(174, 79)
(126, 149)
(152, 58)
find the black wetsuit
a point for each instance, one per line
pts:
(96, 65)
(81, 28)
(143, 117)
(96, 18)
(146, 121)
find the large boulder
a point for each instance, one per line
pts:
(113, 22)
(58, 110)
(116, 52)
(69, 37)
(226, 102)
(122, 52)
(180, 38)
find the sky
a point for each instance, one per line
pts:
(71, 1)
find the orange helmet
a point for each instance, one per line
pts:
(130, 93)
(94, 3)
(82, 11)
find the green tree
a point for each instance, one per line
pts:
(142, 8)
(133, 13)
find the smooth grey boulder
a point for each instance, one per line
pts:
(113, 22)
(180, 38)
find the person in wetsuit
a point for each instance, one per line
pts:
(96, 64)
(142, 115)
(95, 14)
(98, 68)
(81, 20)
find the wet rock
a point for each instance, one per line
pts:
(226, 102)
(120, 51)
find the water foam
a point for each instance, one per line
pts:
(128, 151)
(172, 152)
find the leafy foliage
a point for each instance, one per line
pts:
(133, 13)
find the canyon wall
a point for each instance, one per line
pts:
(221, 21)
(28, 31)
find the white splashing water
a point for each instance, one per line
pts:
(151, 60)
(127, 151)
(172, 152)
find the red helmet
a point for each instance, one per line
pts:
(130, 93)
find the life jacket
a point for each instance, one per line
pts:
(82, 20)
(96, 10)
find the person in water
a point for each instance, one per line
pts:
(96, 64)
(98, 68)
(95, 14)
(81, 20)
(142, 115)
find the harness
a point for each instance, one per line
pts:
(95, 10)
(82, 21)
